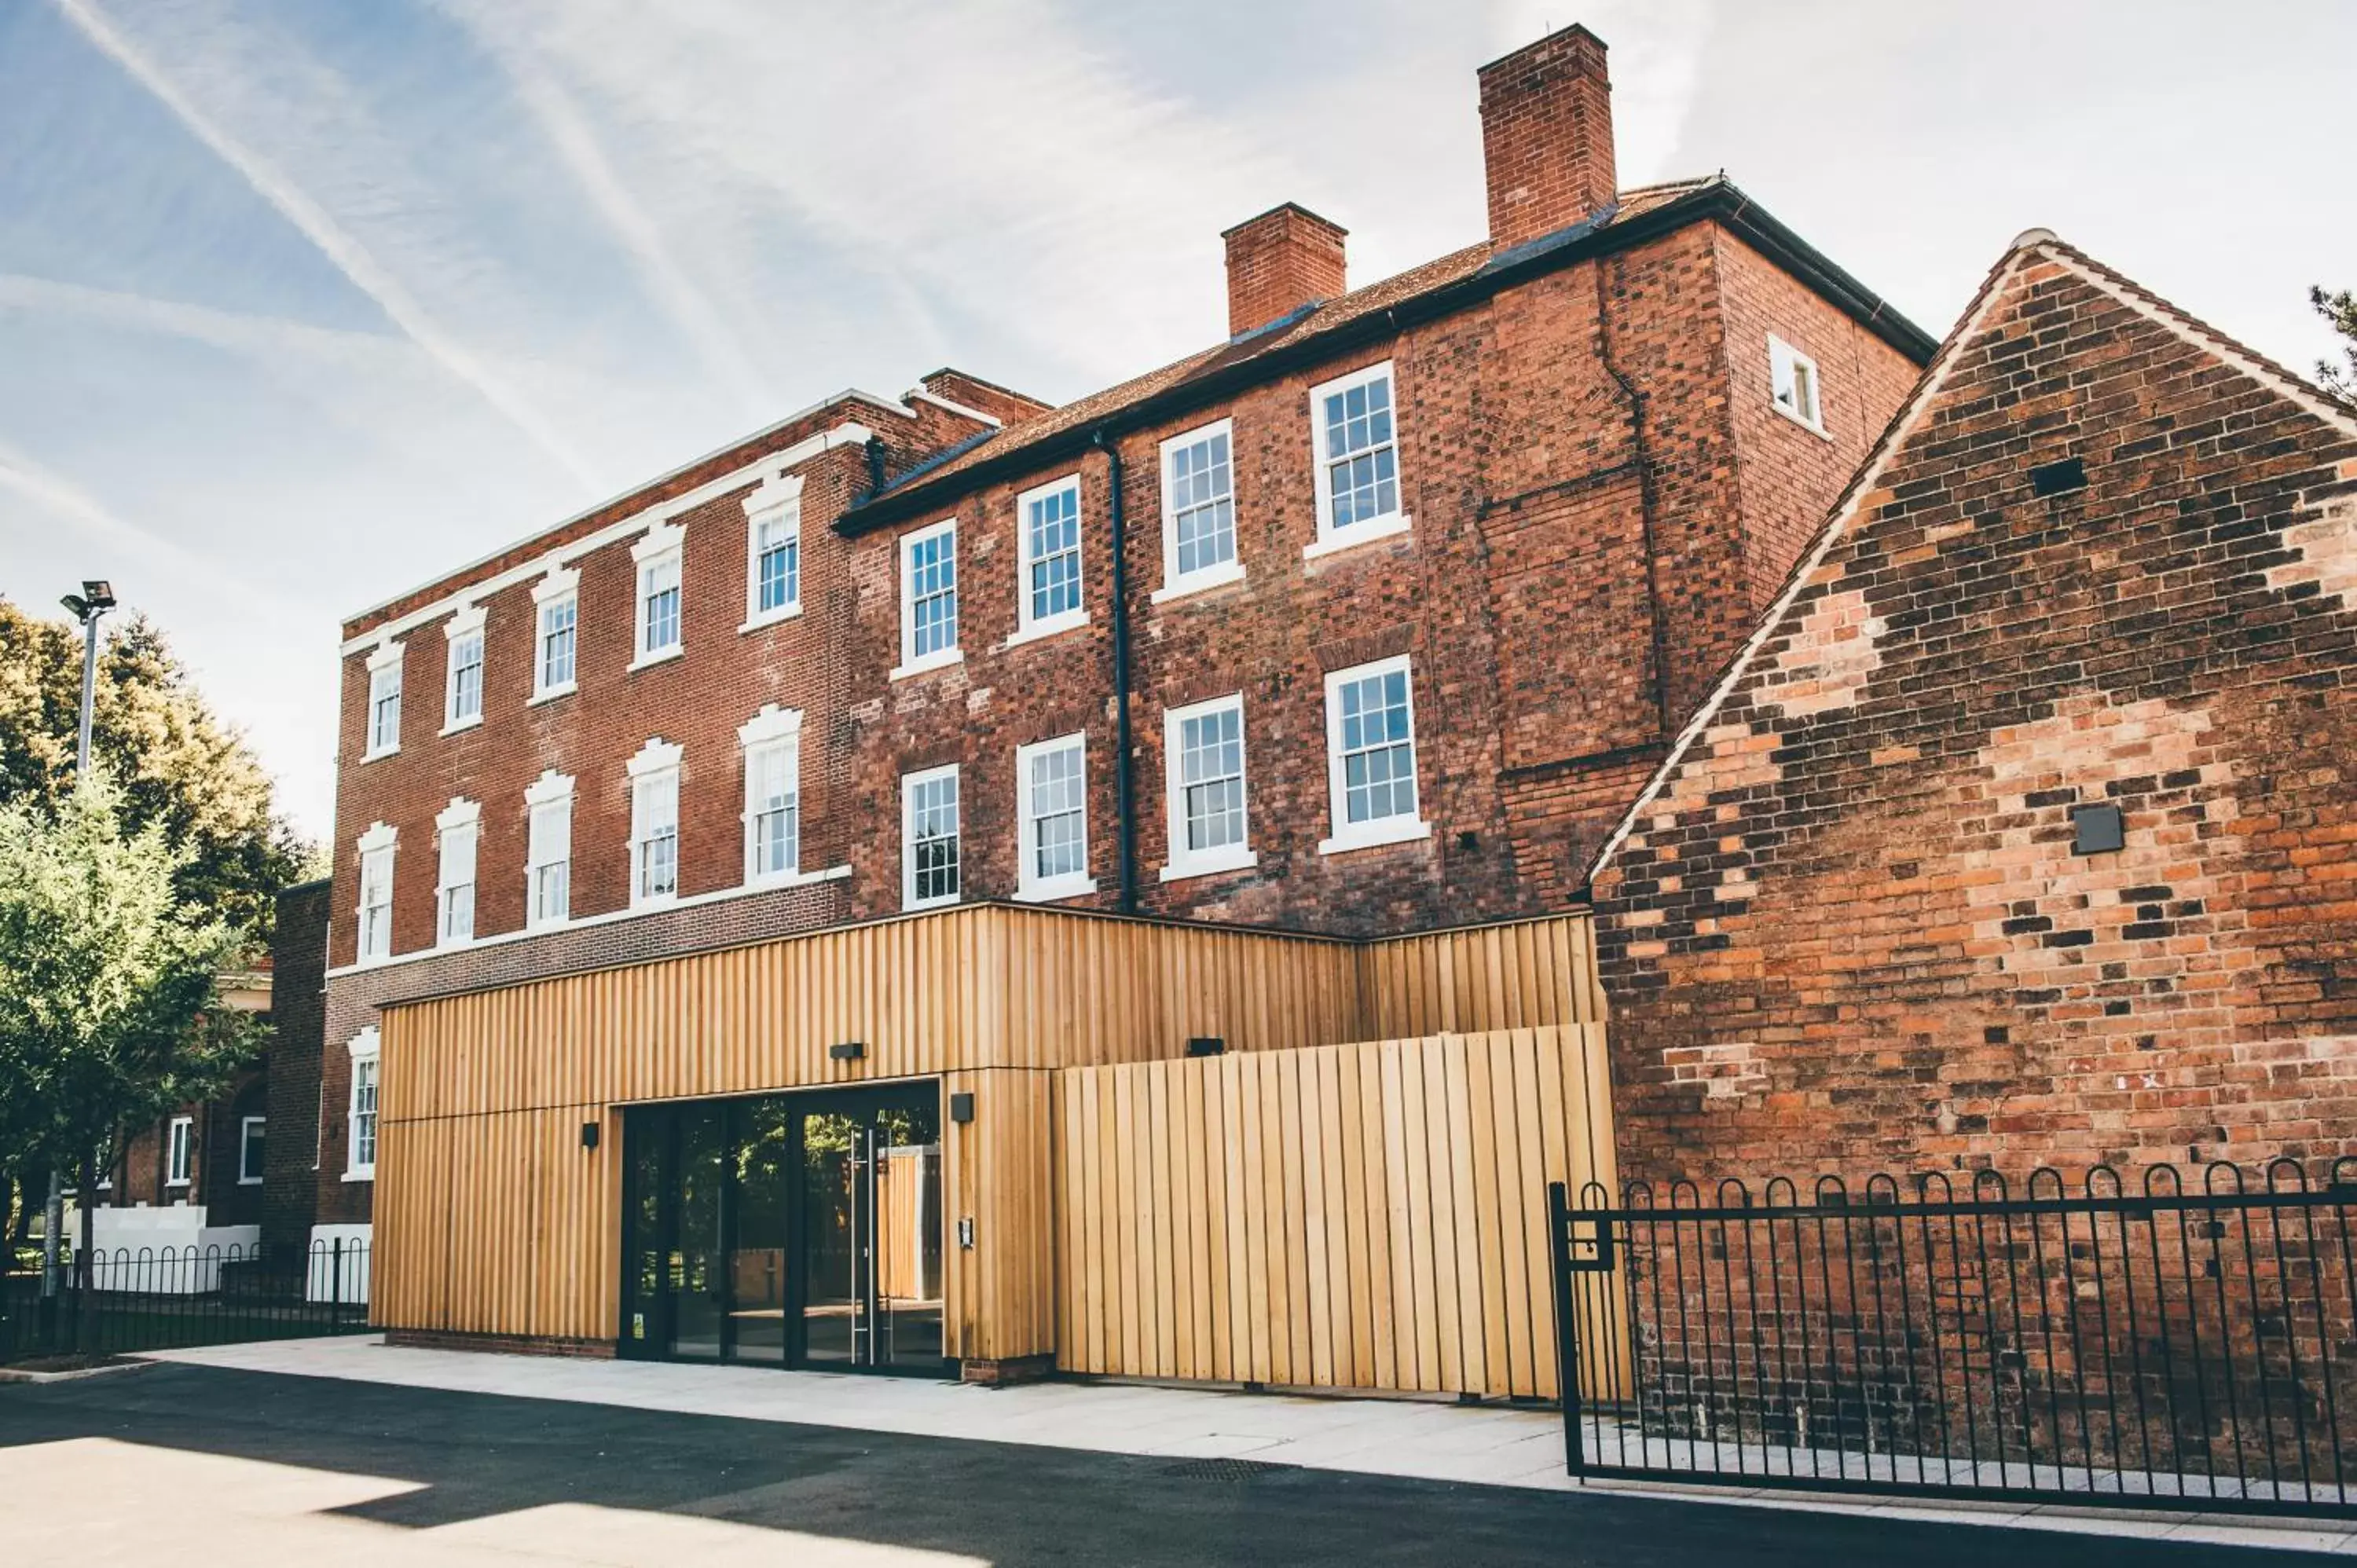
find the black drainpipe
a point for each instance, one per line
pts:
(1644, 497)
(1124, 791)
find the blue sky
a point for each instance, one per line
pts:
(304, 302)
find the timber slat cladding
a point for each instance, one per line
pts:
(492, 1218)
(1355, 1216)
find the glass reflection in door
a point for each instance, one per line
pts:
(759, 1155)
(699, 1284)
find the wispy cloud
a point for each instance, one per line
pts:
(576, 141)
(66, 501)
(984, 154)
(352, 258)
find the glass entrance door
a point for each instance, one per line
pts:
(803, 1229)
(871, 1249)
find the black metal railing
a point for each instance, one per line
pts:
(2187, 1344)
(164, 1298)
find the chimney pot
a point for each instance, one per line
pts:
(1546, 136)
(1285, 257)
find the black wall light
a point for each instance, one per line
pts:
(589, 1135)
(960, 1107)
(847, 1051)
(1207, 1045)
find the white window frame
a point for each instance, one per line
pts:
(772, 730)
(551, 790)
(464, 626)
(1176, 584)
(1029, 886)
(662, 548)
(365, 1049)
(376, 849)
(910, 784)
(1181, 860)
(245, 1126)
(779, 500)
(381, 738)
(179, 1151)
(1787, 366)
(1347, 835)
(1030, 627)
(560, 587)
(911, 663)
(1329, 539)
(457, 825)
(653, 772)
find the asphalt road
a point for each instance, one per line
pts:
(453, 1467)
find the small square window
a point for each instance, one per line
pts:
(2098, 829)
(1793, 381)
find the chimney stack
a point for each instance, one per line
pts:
(1546, 136)
(1285, 257)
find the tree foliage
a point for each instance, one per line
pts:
(2340, 310)
(107, 977)
(177, 767)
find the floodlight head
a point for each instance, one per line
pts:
(76, 606)
(99, 592)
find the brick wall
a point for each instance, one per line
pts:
(1852, 930)
(1577, 563)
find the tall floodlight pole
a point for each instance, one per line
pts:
(97, 597)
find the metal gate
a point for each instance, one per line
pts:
(2190, 1344)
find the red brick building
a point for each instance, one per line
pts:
(2023, 832)
(1371, 616)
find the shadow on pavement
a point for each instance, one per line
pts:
(476, 1456)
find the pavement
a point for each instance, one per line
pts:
(344, 1451)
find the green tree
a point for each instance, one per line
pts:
(107, 979)
(178, 766)
(2340, 310)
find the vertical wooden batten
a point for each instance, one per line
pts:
(493, 1219)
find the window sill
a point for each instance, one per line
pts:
(249, 1181)
(771, 618)
(376, 756)
(1039, 631)
(177, 1186)
(373, 960)
(911, 905)
(661, 656)
(1812, 426)
(459, 726)
(1359, 534)
(1375, 835)
(1210, 865)
(368, 1175)
(549, 694)
(653, 901)
(1052, 892)
(454, 944)
(769, 880)
(1200, 582)
(942, 661)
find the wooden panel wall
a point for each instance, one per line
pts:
(1365, 1216)
(1528, 974)
(995, 1169)
(483, 1093)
